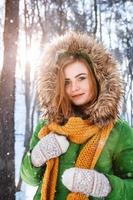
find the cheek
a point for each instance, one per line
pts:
(87, 85)
(67, 90)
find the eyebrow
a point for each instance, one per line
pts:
(77, 75)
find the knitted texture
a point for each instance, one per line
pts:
(86, 181)
(78, 131)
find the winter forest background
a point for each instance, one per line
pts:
(25, 27)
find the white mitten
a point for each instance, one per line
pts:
(50, 146)
(88, 182)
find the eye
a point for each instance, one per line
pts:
(67, 82)
(82, 78)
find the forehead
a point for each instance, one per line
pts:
(74, 69)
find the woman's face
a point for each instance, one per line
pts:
(78, 83)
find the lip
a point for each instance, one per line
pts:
(77, 95)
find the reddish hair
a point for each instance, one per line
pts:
(64, 108)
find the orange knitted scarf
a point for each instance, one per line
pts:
(78, 131)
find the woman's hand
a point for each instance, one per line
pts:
(48, 147)
(88, 182)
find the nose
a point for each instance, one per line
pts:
(74, 86)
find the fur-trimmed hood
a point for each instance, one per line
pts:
(106, 107)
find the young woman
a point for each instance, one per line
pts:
(81, 149)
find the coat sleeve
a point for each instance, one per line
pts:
(30, 174)
(122, 180)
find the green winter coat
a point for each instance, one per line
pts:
(115, 162)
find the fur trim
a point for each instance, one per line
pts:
(106, 108)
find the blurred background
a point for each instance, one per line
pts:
(25, 27)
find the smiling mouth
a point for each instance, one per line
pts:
(77, 95)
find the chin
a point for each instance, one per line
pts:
(79, 103)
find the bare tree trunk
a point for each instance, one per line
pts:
(100, 21)
(27, 104)
(27, 79)
(7, 99)
(96, 21)
(131, 92)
